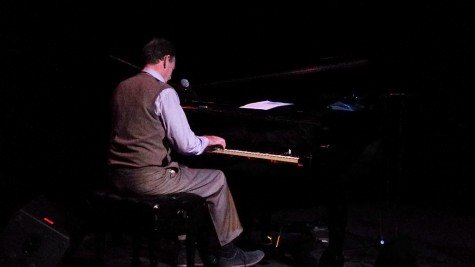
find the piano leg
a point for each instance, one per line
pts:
(337, 219)
(352, 172)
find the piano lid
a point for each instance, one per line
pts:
(309, 89)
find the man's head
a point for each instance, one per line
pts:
(159, 53)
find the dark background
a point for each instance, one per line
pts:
(61, 60)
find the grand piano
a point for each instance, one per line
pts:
(306, 154)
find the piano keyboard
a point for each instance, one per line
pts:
(259, 155)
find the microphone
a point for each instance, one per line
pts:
(186, 93)
(185, 83)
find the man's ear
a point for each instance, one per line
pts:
(165, 58)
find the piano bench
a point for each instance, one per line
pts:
(147, 216)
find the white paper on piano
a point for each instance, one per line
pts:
(265, 105)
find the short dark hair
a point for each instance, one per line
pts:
(156, 49)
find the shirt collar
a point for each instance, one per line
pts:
(154, 73)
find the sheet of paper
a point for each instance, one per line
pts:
(265, 105)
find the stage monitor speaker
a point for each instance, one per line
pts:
(35, 236)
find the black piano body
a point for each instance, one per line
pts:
(332, 126)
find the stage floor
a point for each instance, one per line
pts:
(436, 235)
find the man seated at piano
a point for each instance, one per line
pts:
(148, 125)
